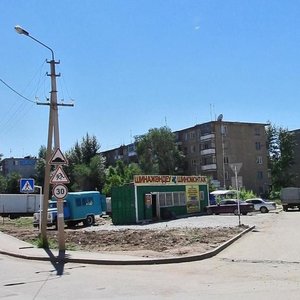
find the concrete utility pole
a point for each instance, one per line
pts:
(53, 133)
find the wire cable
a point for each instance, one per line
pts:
(12, 89)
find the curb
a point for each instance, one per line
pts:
(64, 258)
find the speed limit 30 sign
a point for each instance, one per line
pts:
(60, 191)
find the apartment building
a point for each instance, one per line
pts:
(126, 153)
(222, 150)
(217, 149)
(23, 166)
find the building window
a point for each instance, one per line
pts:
(226, 175)
(192, 135)
(176, 199)
(182, 198)
(162, 199)
(259, 175)
(169, 199)
(193, 149)
(226, 160)
(257, 131)
(172, 199)
(259, 160)
(194, 162)
(257, 145)
(202, 195)
(214, 160)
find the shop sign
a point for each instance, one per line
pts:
(192, 199)
(168, 180)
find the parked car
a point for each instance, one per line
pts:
(230, 206)
(262, 205)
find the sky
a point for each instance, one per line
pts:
(132, 65)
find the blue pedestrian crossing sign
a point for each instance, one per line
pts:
(27, 185)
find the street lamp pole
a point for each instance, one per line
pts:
(53, 129)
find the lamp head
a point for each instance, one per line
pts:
(20, 30)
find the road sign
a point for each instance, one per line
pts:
(236, 167)
(26, 185)
(59, 176)
(58, 158)
(60, 191)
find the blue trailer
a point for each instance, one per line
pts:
(78, 207)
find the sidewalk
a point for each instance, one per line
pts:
(14, 247)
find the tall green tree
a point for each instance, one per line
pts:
(158, 153)
(40, 166)
(13, 183)
(3, 184)
(86, 169)
(281, 145)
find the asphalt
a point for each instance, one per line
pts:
(14, 247)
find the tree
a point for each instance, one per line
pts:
(3, 184)
(85, 151)
(86, 169)
(158, 153)
(281, 145)
(120, 175)
(13, 183)
(40, 166)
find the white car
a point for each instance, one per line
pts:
(262, 205)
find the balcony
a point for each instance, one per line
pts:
(118, 157)
(207, 137)
(132, 153)
(208, 151)
(210, 167)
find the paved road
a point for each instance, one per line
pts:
(264, 264)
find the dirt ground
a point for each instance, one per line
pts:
(147, 243)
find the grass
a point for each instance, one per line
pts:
(52, 244)
(22, 222)
(26, 222)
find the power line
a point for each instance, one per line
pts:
(7, 85)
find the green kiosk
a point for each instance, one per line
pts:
(158, 197)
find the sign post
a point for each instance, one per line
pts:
(236, 169)
(58, 179)
(41, 205)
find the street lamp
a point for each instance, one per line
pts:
(21, 30)
(52, 129)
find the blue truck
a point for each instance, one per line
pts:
(78, 207)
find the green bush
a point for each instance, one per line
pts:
(275, 195)
(244, 194)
